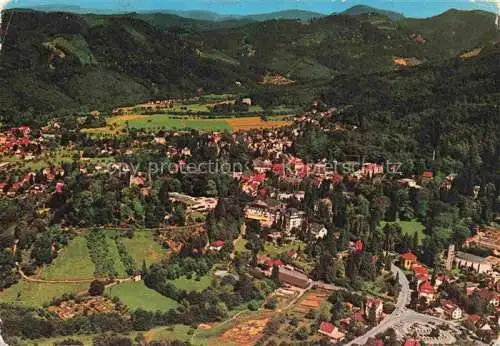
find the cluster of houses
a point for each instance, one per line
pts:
(48, 179)
(17, 142)
(373, 307)
(293, 170)
(446, 308)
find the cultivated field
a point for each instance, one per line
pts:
(160, 121)
(245, 333)
(311, 300)
(248, 123)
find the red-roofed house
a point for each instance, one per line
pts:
(474, 318)
(328, 329)
(358, 245)
(442, 278)
(278, 168)
(59, 187)
(412, 342)
(451, 309)
(370, 169)
(374, 342)
(427, 175)
(426, 290)
(273, 262)
(421, 272)
(408, 259)
(137, 180)
(358, 317)
(490, 296)
(216, 245)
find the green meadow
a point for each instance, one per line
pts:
(135, 295)
(142, 247)
(410, 228)
(73, 262)
(167, 122)
(35, 294)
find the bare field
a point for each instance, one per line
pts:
(248, 123)
(246, 333)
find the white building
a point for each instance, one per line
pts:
(294, 219)
(318, 230)
(451, 310)
(467, 260)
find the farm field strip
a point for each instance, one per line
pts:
(73, 262)
(35, 294)
(104, 254)
(116, 124)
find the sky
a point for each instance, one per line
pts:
(413, 8)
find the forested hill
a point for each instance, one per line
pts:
(343, 43)
(61, 63)
(362, 9)
(447, 113)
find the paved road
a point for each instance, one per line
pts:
(401, 314)
(2, 343)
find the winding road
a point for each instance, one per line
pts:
(401, 314)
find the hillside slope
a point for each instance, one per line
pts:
(61, 63)
(55, 62)
(362, 9)
(344, 43)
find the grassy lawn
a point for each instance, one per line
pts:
(136, 295)
(113, 253)
(283, 109)
(273, 250)
(85, 339)
(240, 245)
(175, 332)
(191, 284)
(142, 247)
(73, 262)
(218, 97)
(255, 108)
(35, 294)
(410, 228)
(160, 121)
(192, 107)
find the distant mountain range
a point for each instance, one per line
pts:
(362, 9)
(213, 16)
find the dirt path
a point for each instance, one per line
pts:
(243, 230)
(261, 309)
(67, 281)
